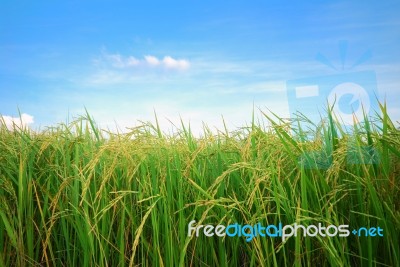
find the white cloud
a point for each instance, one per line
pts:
(152, 61)
(120, 62)
(23, 121)
(172, 63)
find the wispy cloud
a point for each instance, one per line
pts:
(118, 61)
(23, 121)
(148, 61)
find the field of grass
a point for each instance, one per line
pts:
(74, 195)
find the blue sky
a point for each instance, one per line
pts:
(198, 60)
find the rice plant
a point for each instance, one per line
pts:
(76, 195)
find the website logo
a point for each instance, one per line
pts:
(249, 232)
(350, 94)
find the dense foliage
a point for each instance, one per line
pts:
(75, 195)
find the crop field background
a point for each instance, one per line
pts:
(75, 195)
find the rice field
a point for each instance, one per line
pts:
(76, 195)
